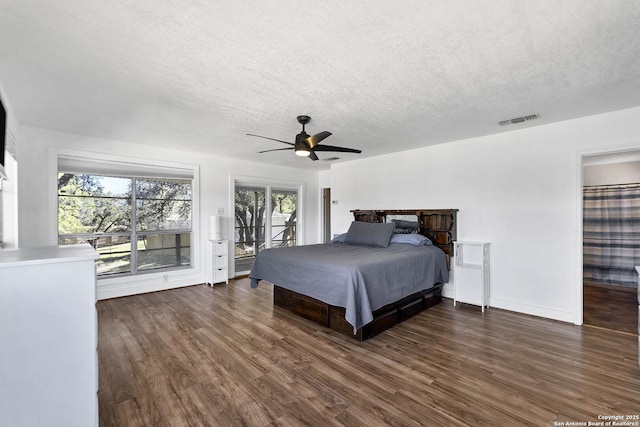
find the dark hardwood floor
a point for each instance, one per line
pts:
(224, 356)
(610, 307)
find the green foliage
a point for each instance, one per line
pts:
(84, 206)
(249, 205)
(99, 204)
(93, 204)
(283, 201)
(250, 213)
(163, 204)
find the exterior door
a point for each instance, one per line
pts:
(265, 216)
(249, 228)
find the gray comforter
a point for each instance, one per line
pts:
(359, 278)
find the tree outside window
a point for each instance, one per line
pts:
(250, 221)
(136, 224)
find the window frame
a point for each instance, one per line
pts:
(150, 169)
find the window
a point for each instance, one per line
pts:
(136, 223)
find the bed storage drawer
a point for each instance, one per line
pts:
(282, 297)
(306, 307)
(410, 310)
(433, 296)
(333, 317)
(337, 322)
(381, 323)
(311, 309)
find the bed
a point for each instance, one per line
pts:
(380, 273)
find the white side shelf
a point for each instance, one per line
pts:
(217, 262)
(471, 284)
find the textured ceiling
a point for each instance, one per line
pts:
(381, 76)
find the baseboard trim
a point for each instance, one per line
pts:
(533, 310)
(518, 307)
(115, 288)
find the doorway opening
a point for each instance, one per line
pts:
(611, 249)
(326, 215)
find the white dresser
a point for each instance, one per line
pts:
(217, 262)
(48, 337)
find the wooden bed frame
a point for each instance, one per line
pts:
(439, 225)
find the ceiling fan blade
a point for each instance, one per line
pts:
(338, 149)
(315, 139)
(272, 139)
(313, 156)
(275, 149)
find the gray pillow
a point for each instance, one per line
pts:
(412, 239)
(339, 238)
(370, 234)
(409, 225)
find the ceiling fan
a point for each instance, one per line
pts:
(305, 145)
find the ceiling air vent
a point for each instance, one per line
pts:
(518, 120)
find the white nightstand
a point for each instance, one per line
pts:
(471, 283)
(217, 262)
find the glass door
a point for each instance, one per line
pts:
(284, 204)
(265, 216)
(249, 231)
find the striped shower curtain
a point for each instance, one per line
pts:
(612, 234)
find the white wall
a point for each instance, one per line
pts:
(519, 190)
(37, 195)
(324, 178)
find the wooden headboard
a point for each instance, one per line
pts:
(439, 225)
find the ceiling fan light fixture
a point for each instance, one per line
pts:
(302, 149)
